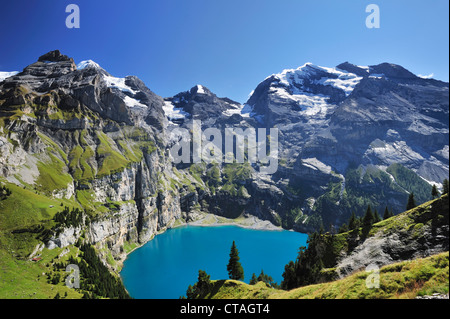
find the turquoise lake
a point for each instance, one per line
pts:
(165, 267)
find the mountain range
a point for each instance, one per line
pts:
(76, 136)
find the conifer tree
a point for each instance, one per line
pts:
(234, 267)
(376, 217)
(368, 217)
(352, 224)
(411, 202)
(367, 221)
(445, 187)
(434, 191)
(387, 214)
(254, 280)
(203, 282)
(266, 279)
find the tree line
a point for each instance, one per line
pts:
(96, 281)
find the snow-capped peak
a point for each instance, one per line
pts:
(118, 84)
(88, 64)
(320, 75)
(309, 87)
(200, 89)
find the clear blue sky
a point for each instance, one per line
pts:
(227, 45)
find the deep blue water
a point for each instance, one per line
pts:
(164, 267)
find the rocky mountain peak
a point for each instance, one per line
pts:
(200, 89)
(362, 71)
(88, 64)
(307, 93)
(125, 100)
(54, 56)
(200, 103)
(50, 65)
(392, 71)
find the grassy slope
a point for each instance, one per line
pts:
(406, 279)
(19, 277)
(24, 279)
(30, 208)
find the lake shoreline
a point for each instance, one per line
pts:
(252, 222)
(177, 256)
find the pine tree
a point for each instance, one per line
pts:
(411, 202)
(367, 221)
(201, 288)
(203, 283)
(352, 224)
(190, 292)
(234, 267)
(254, 280)
(387, 214)
(266, 279)
(445, 187)
(434, 191)
(290, 276)
(376, 217)
(368, 217)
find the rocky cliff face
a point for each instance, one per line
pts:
(350, 120)
(94, 141)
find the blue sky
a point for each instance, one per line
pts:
(227, 45)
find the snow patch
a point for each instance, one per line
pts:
(429, 76)
(232, 111)
(291, 84)
(339, 79)
(118, 83)
(200, 89)
(310, 104)
(172, 112)
(444, 152)
(130, 102)
(88, 64)
(377, 76)
(364, 67)
(439, 186)
(5, 75)
(247, 110)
